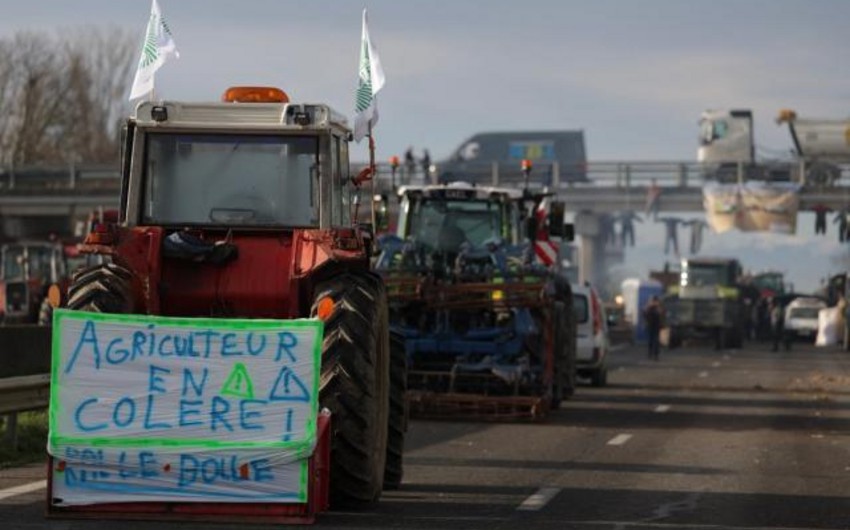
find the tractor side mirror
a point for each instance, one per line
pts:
(569, 232)
(382, 214)
(556, 218)
(531, 228)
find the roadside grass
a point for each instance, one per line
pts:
(32, 440)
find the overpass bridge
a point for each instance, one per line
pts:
(610, 187)
(37, 201)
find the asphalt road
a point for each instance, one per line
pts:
(700, 439)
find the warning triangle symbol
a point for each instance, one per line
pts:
(238, 383)
(289, 387)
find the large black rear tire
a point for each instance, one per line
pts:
(393, 469)
(355, 386)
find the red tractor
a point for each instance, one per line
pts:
(244, 208)
(28, 269)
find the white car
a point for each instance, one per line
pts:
(801, 318)
(591, 335)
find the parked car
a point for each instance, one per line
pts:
(591, 335)
(801, 318)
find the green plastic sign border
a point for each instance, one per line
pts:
(297, 446)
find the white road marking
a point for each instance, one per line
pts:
(715, 364)
(23, 488)
(539, 499)
(702, 374)
(620, 439)
(662, 408)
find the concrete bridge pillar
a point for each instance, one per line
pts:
(588, 228)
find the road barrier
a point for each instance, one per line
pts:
(19, 394)
(24, 372)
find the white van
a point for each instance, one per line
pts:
(591, 335)
(801, 318)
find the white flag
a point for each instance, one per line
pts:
(158, 46)
(371, 81)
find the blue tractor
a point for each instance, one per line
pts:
(489, 330)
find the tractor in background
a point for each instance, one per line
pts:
(710, 302)
(244, 209)
(29, 269)
(489, 331)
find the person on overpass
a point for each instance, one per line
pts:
(653, 195)
(820, 217)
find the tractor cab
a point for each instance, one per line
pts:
(28, 269)
(254, 176)
(264, 164)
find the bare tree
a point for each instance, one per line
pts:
(100, 78)
(29, 107)
(61, 98)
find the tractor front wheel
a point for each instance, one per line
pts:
(355, 385)
(103, 288)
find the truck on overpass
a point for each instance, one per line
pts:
(728, 150)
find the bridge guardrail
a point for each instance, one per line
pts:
(613, 174)
(620, 174)
(20, 394)
(27, 392)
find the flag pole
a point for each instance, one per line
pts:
(374, 176)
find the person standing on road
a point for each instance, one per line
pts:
(652, 314)
(777, 323)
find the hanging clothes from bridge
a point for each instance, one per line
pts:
(607, 229)
(671, 238)
(627, 227)
(697, 226)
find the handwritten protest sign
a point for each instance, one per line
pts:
(146, 408)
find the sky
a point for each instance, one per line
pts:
(634, 76)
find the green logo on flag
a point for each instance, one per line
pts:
(364, 89)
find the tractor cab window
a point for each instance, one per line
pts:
(233, 180)
(345, 182)
(445, 224)
(340, 214)
(704, 275)
(13, 262)
(41, 262)
(30, 262)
